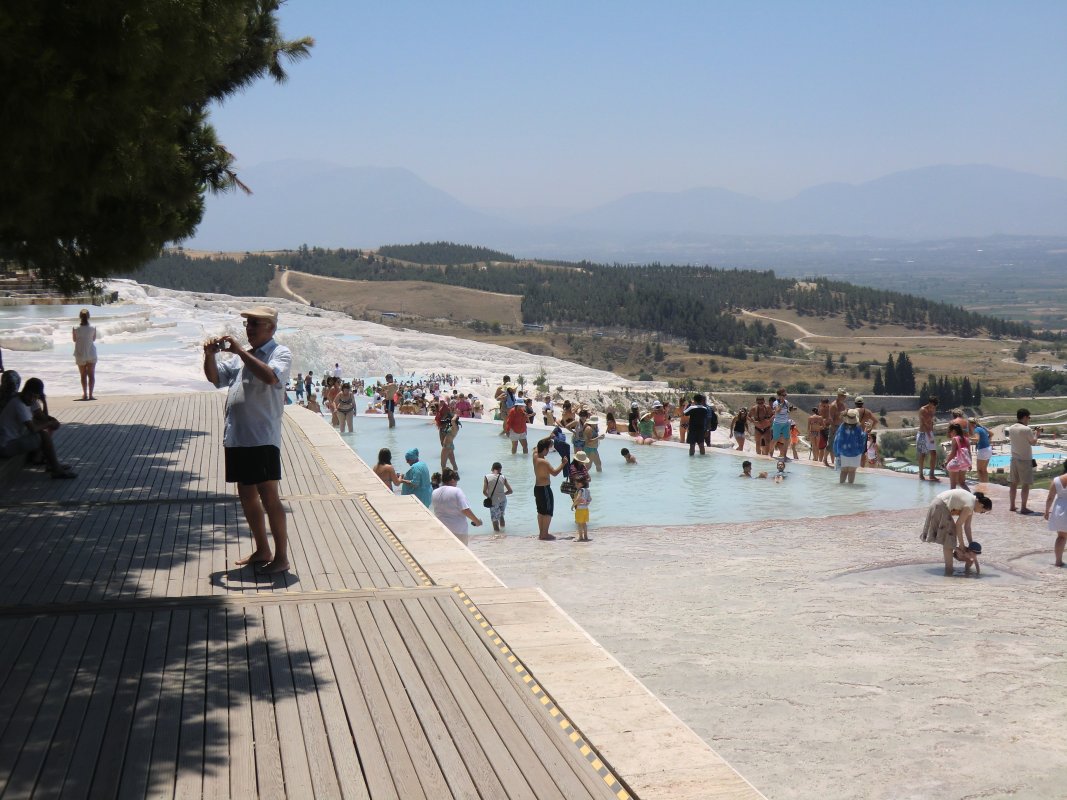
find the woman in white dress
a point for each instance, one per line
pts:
(1056, 512)
(84, 336)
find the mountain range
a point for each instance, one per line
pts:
(317, 203)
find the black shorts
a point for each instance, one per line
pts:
(545, 500)
(251, 465)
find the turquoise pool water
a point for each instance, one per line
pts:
(665, 487)
(1039, 455)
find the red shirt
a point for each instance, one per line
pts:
(517, 419)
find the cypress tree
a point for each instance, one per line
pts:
(891, 386)
(879, 387)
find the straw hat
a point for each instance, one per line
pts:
(851, 416)
(842, 391)
(581, 457)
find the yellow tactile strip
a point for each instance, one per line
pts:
(387, 532)
(588, 752)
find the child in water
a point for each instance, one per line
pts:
(969, 555)
(580, 505)
(627, 456)
(746, 469)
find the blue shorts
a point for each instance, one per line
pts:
(780, 430)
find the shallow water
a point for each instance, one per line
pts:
(665, 487)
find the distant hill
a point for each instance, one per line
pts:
(296, 202)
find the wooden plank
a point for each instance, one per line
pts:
(444, 737)
(118, 711)
(572, 775)
(269, 771)
(97, 670)
(192, 736)
(342, 744)
(376, 694)
(134, 777)
(315, 740)
(484, 748)
(294, 755)
(164, 761)
(429, 771)
(372, 734)
(30, 732)
(242, 743)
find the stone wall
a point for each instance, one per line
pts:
(805, 402)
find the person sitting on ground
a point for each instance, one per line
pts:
(627, 456)
(633, 420)
(610, 425)
(26, 428)
(645, 429)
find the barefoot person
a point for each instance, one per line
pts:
(495, 488)
(543, 474)
(849, 443)
(1022, 439)
(1056, 512)
(925, 445)
(84, 338)
(253, 436)
(948, 521)
(983, 449)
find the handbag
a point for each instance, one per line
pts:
(566, 487)
(488, 502)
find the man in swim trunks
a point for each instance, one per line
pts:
(543, 474)
(389, 391)
(761, 415)
(925, 444)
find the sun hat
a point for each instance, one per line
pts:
(657, 404)
(633, 404)
(841, 390)
(261, 312)
(581, 457)
(851, 416)
(594, 419)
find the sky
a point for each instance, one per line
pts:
(567, 105)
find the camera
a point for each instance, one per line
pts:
(222, 344)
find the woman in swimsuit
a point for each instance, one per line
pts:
(384, 469)
(739, 426)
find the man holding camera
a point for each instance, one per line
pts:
(1022, 439)
(253, 434)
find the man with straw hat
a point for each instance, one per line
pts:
(252, 438)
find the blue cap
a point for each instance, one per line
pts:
(412, 454)
(974, 547)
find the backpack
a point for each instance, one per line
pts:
(713, 419)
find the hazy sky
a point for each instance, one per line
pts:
(570, 104)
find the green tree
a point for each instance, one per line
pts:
(1022, 352)
(879, 386)
(112, 151)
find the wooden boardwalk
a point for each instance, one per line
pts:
(137, 661)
